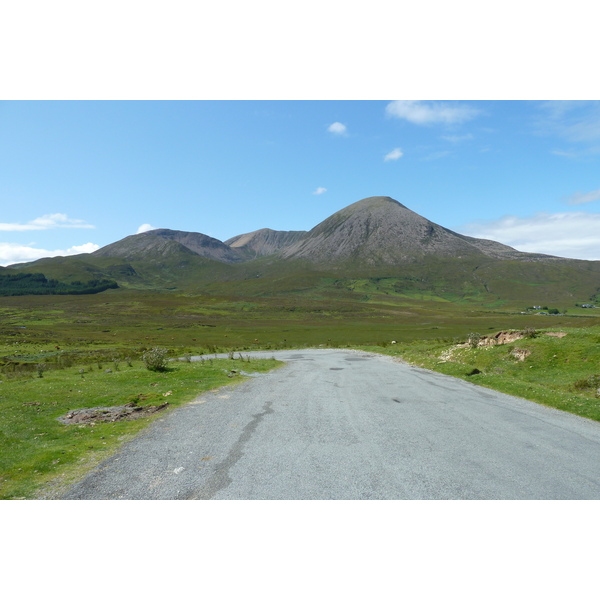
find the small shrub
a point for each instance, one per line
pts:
(156, 359)
(529, 333)
(473, 339)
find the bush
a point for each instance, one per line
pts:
(474, 339)
(156, 359)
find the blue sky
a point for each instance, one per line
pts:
(77, 175)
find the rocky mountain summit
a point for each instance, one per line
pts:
(380, 230)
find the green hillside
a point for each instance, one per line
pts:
(373, 271)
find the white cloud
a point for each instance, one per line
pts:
(422, 113)
(145, 227)
(54, 221)
(571, 235)
(338, 128)
(395, 154)
(83, 249)
(319, 190)
(17, 253)
(580, 198)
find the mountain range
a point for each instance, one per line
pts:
(374, 231)
(374, 239)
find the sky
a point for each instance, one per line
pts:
(76, 175)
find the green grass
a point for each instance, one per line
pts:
(39, 455)
(69, 333)
(557, 372)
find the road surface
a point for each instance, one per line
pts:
(343, 424)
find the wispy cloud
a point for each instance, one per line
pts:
(438, 154)
(580, 198)
(431, 113)
(395, 154)
(576, 122)
(338, 128)
(54, 221)
(319, 191)
(571, 235)
(564, 153)
(457, 139)
(145, 227)
(17, 253)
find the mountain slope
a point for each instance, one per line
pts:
(166, 242)
(263, 242)
(380, 230)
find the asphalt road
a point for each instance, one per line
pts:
(335, 424)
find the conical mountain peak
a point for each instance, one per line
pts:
(381, 230)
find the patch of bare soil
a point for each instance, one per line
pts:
(110, 414)
(520, 353)
(507, 337)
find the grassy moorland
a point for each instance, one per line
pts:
(55, 352)
(561, 372)
(129, 321)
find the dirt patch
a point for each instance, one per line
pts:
(507, 337)
(502, 337)
(520, 353)
(110, 414)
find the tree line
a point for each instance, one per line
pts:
(22, 284)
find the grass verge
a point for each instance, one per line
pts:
(39, 456)
(563, 373)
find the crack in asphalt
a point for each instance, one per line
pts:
(220, 479)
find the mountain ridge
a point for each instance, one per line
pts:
(374, 239)
(165, 241)
(374, 230)
(263, 242)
